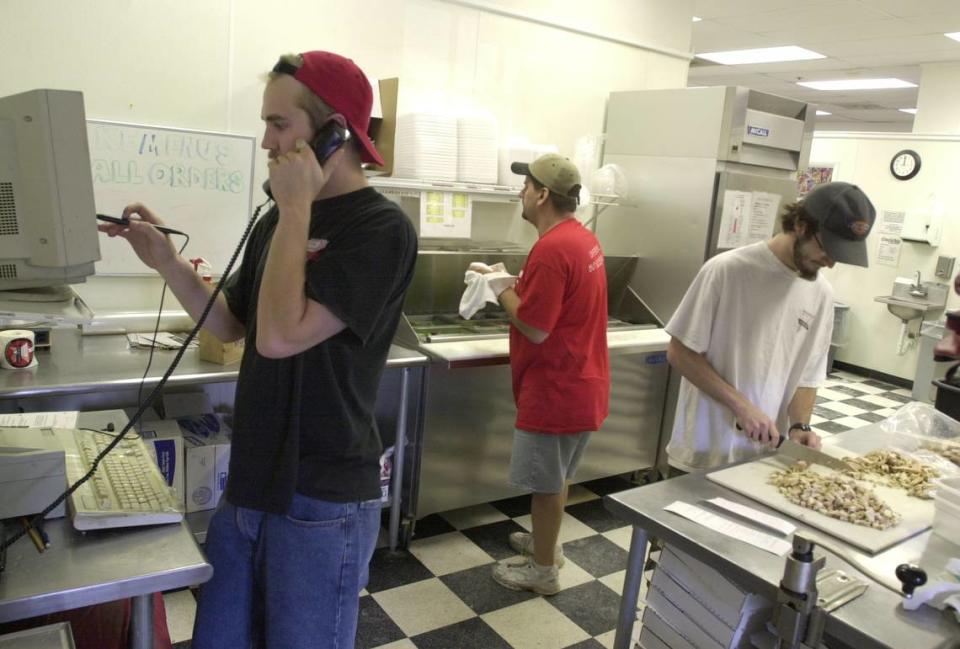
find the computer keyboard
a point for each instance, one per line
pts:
(127, 489)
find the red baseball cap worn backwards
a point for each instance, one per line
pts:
(340, 83)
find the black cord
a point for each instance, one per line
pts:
(156, 331)
(36, 520)
(3, 546)
(109, 434)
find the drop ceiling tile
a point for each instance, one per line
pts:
(707, 36)
(908, 9)
(708, 9)
(828, 31)
(899, 45)
(805, 15)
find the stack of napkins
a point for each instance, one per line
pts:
(692, 606)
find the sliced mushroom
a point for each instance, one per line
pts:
(894, 469)
(833, 495)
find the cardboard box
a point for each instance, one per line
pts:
(383, 128)
(214, 351)
(206, 444)
(165, 443)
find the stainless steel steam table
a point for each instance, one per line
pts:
(875, 620)
(85, 569)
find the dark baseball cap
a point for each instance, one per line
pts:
(846, 217)
(343, 86)
(554, 172)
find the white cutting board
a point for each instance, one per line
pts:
(751, 480)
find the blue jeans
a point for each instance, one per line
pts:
(286, 581)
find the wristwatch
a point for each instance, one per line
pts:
(798, 426)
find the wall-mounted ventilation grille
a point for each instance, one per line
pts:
(8, 211)
(8, 271)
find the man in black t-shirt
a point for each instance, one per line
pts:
(317, 298)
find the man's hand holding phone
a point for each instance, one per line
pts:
(296, 177)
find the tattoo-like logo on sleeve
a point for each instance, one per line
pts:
(315, 247)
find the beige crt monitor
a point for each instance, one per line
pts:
(48, 232)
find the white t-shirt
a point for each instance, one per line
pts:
(765, 330)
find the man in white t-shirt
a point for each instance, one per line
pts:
(751, 336)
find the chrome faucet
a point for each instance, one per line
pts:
(918, 289)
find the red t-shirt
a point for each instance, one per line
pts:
(563, 384)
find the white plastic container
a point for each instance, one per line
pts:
(946, 519)
(948, 490)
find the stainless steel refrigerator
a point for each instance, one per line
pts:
(696, 160)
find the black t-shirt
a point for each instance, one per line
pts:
(306, 423)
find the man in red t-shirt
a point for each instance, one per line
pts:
(558, 355)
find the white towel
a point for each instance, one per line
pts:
(483, 286)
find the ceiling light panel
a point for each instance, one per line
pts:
(857, 84)
(761, 55)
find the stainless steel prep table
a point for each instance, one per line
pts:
(872, 621)
(85, 569)
(90, 372)
(101, 372)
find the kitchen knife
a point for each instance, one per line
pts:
(796, 451)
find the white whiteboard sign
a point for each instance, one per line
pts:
(197, 182)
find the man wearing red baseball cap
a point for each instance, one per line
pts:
(317, 298)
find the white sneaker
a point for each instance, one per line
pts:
(522, 542)
(521, 573)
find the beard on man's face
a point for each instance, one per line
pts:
(806, 268)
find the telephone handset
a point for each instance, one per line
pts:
(329, 138)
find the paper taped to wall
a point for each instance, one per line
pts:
(747, 217)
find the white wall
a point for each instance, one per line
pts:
(198, 65)
(864, 159)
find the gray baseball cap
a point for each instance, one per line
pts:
(846, 217)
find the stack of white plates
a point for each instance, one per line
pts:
(477, 156)
(426, 147)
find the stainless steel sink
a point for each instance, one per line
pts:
(910, 300)
(908, 309)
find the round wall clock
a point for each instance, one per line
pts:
(905, 164)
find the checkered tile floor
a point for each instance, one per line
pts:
(848, 401)
(440, 594)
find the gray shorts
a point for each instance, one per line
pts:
(542, 462)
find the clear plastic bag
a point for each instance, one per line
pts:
(926, 434)
(922, 420)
